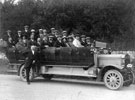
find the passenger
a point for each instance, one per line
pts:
(65, 41)
(88, 42)
(40, 44)
(45, 32)
(70, 41)
(8, 35)
(31, 41)
(10, 43)
(83, 40)
(18, 36)
(24, 38)
(26, 32)
(3, 43)
(45, 42)
(40, 31)
(25, 42)
(64, 33)
(33, 33)
(52, 31)
(20, 45)
(51, 41)
(59, 42)
(76, 41)
(56, 34)
(41, 34)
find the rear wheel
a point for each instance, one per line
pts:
(23, 73)
(113, 79)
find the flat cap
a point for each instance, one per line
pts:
(9, 31)
(51, 36)
(59, 35)
(19, 31)
(77, 35)
(64, 37)
(83, 36)
(70, 37)
(52, 28)
(87, 38)
(26, 26)
(40, 29)
(32, 30)
(64, 31)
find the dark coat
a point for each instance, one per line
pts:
(11, 44)
(30, 58)
(40, 45)
(30, 42)
(51, 44)
(59, 44)
(17, 37)
(83, 43)
(26, 34)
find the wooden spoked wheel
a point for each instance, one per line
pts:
(113, 79)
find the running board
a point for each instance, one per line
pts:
(83, 75)
(77, 81)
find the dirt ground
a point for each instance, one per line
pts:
(12, 88)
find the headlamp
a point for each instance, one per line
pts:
(129, 65)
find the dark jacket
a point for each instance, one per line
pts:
(83, 43)
(30, 58)
(30, 42)
(59, 44)
(26, 34)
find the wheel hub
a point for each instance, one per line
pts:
(113, 80)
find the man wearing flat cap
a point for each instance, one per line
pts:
(51, 41)
(26, 31)
(18, 36)
(88, 42)
(59, 42)
(64, 33)
(83, 40)
(52, 31)
(7, 35)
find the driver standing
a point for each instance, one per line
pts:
(31, 61)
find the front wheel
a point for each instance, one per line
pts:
(113, 79)
(23, 73)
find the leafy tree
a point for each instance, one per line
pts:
(111, 20)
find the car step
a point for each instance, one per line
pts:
(78, 81)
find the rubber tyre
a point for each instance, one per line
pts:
(23, 73)
(113, 80)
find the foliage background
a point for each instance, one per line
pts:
(112, 21)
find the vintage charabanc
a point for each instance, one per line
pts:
(114, 70)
